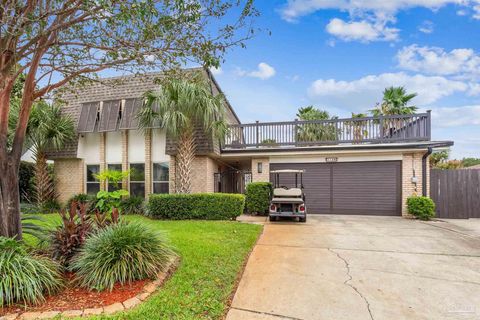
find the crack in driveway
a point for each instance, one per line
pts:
(347, 282)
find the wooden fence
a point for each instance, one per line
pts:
(456, 193)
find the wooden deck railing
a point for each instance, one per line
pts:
(383, 129)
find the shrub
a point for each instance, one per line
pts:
(71, 234)
(421, 207)
(25, 277)
(50, 206)
(121, 253)
(258, 196)
(205, 206)
(26, 173)
(132, 205)
(79, 198)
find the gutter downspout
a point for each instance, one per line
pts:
(424, 171)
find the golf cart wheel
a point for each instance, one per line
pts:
(271, 218)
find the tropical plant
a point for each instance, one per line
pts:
(358, 127)
(106, 200)
(71, 234)
(47, 129)
(324, 131)
(121, 253)
(104, 219)
(53, 44)
(34, 226)
(437, 158)
(184, 107)
(132, 205)
(25, 277)
(26, 176)
(395, 101)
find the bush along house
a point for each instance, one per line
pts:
(365, 165)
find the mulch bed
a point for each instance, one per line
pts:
(73, 297)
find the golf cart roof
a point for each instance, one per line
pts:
(287, 171)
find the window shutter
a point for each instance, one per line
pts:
(129, 116)
(109, 116)
(88, 117)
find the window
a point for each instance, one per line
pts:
(93, 185)
(137, 179)
(111, 186)
(160, 177)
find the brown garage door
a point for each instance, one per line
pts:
(369, 188)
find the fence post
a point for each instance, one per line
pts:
(429, 125)
(257, 134)
(382, 133)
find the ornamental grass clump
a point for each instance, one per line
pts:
(25, 277)
(122, 253)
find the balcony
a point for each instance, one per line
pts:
(292, 134)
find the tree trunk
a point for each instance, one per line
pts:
(10, 201)
(44, 188)
(185, 157)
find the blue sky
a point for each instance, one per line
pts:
(339, 55)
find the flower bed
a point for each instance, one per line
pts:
(76, 302)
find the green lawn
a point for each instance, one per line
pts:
(212, 255)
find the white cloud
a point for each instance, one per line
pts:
(297, 8)
(364, 31)
(362, 94)
(462, 12)
(369, 18)
(263, 72)
(457, 116)
(216, 71)
(426, 27)
(433, 60)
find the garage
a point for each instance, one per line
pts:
(365, 188)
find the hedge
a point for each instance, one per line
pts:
(202, 206)
(258, 196)
(421, 207)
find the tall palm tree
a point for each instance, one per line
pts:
(47, 129)
(395, 102)
(315, 131)
(182, 107)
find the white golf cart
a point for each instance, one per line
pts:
(288, 202)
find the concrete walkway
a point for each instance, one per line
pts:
(357, 267)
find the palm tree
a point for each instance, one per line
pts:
(182, 107)
(47, 129)
(395, 102)
(358, 127)
(315, 131)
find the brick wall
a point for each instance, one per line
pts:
(265, 175)
(203, 170)
(69, 178)
(412, 162)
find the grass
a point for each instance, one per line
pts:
(212, 255)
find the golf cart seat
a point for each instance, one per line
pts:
(292, 195)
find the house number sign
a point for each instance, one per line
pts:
(331, 159)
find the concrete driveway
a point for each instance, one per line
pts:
(358, 267)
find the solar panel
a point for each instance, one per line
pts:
(109, 116)
(88, 117)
